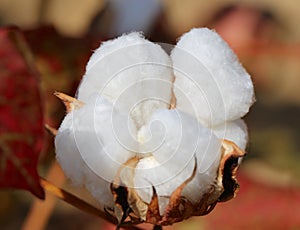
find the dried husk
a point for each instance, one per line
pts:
(179, 208)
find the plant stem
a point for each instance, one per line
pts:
(75, 201)
(81, 204)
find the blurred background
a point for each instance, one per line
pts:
(265, 34)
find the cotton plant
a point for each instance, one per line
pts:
(153, 137)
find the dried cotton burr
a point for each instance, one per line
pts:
(157, 138)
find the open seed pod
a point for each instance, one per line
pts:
(157, 138)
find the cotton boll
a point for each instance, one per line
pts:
(208, 72)
(126, 145)
(235, 131)
(129, 71)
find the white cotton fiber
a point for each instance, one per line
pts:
(67, 152)
(90, 150)
(235, 131)
(150, 172)
(210, 82)
(167, 136)
(75, 169)
(174, 139)
(129, 71)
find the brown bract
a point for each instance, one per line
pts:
(129, 207)
(71, 103)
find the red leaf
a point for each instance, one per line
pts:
(21, 119)
(258, 206)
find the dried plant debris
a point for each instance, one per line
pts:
(157, 138)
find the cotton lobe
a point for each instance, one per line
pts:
(209, 75)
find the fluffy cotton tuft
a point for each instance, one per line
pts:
(131, 72)
(175, 138)
(210, 82)
(87, 147)
(235, 131)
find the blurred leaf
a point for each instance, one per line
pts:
(258, 206)
(21, 118)
(61, 62)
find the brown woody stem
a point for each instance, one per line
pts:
(75, 201)
(81, 204)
